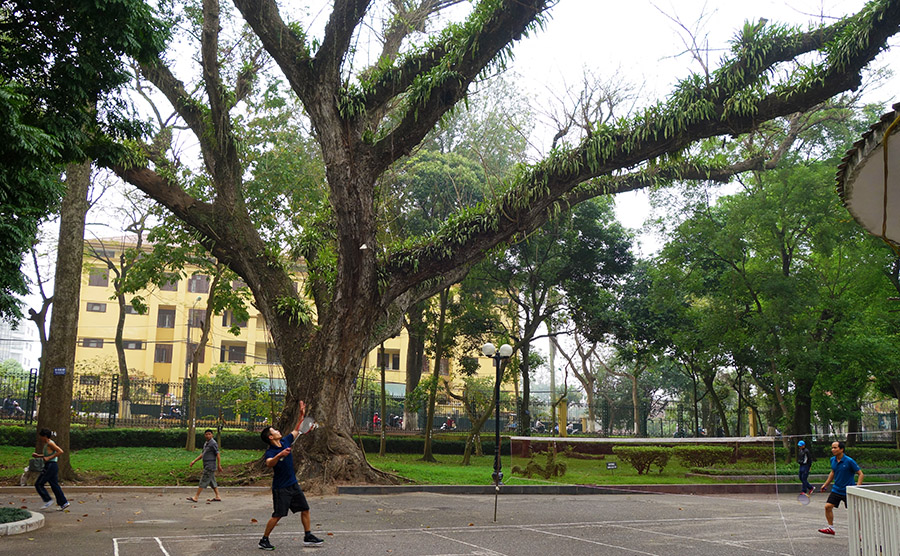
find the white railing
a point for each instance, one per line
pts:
(874, 520)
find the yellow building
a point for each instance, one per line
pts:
(156, 343)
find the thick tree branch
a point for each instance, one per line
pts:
(162, 78)
(345, 17)
(289, 51)
(447, 82)
(193, 212)
(661, 130)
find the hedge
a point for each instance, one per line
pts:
(703, 456)
(642, 457)
(756, 454)
(81, 438)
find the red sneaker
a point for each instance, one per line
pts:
(812, 490)
(826, 531)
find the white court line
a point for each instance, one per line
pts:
(487, 552)
(598, 543)
(459, 529)
(159, 542)
(710, 541)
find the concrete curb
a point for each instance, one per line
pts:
(727, 488)
(36, 521)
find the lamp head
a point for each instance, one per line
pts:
(506, 350)
(488, 349)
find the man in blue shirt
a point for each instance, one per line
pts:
(286, 492)
(843, 468)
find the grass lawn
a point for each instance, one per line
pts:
(134, 466)
(448, 471)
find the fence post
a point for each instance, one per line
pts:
(113, 400)
(31, 401)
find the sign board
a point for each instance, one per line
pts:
(611, 465)
(59, 370)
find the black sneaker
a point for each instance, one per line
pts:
(265, 544)
(312, 540)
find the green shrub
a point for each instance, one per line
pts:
(553, 468)
(703, 456)
(9, 515)
(11, 435)
(81, 438)
(756, 454)
(864, 455)
(642, 457)
(416, 445)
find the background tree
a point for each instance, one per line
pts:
(571, 262)
(134, 220)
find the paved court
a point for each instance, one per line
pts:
(149, 522)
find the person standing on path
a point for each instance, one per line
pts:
(805, 461)
(286, 491)
(50, 453)
(842, 470)
(212, 462)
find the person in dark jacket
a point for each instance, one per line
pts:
(805, 461)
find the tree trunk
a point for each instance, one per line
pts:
(382, 448)
(438, 355)
(592, 413)
(58, 361)
(120, 350)
(802, 407)
(709, 381)
(191, 443)
(524, 411)
(415, 357)
(634, 402)
(473, 440)
(853, 428)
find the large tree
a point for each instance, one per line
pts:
(366, 119)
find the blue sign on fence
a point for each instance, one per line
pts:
(59, 370)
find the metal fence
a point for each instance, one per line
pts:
(101, 401)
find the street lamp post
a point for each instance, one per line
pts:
(497, 355)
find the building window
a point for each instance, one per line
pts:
(133, 344)
(92, 342)
(166, 318)
(130, 310)
(201, 355)
(196, 317)
(96, 307)
(391, 360)
(98, 277)
(198, 283)
(171, 285)
(445, 367)
(233, 354)
(228, 320)
(238, 284)
(163, 353)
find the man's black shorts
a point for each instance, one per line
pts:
(290, 498)
(836, 499)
